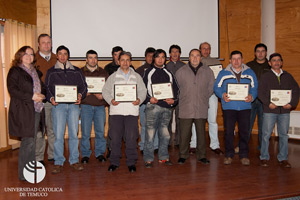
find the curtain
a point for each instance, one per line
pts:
(16, 35)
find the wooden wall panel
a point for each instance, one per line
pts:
(288, 35)
(22, 11)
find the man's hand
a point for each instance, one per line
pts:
(53, 101)
(272, 106)
(114, 103)
(225, 97)
(287, 106)
(137, 102)
(153, 100)
(78, 101)
(99, 96)
(169, 101)
(248, 98)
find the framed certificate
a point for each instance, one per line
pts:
(125, 92)
(95, 84)
(65, 93)
(237, 91)
(280, 97)
(216, 69)
(162, 91)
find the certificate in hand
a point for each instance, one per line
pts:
(125, 92)
(95, 84)
(237, 91)
(65, 93)
(162, 91)
(281, 97)
(216, 69)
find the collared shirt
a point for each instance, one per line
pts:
(125, 75)
(237, 74)
(92, 69)
(277, 74)
(44, 56)
(195, 69)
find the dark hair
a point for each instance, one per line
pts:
(116, 49)
(149, 50)
(19, 55)
(125, 53)
(91, 52)
(204, 43)
(62, 47)
(175, 46)
(157, 52)
(43, 35)
(274, 55)
(194, 50)
(260, 45)
(236, 52)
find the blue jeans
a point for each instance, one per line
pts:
(157, 118)
(143, 129)
(283, 123)
(90, 114)
(256, 109)
(61, 114)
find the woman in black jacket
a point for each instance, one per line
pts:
(25, 89)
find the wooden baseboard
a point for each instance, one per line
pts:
(5, 148)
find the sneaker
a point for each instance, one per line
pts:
(227, 161)
(166, 162)
(77, 166)
(204, 161)
(285, 163)
(237, 150)
(264, 163)
(148, 164)
(57, 169)
(245, 161)
(181, 161)
(85, 160)
(101, 158)
(112, 168)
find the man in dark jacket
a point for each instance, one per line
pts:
(280, 82)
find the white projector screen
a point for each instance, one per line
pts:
(134, 25)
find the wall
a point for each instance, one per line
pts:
(22, 11)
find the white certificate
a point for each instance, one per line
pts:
(162, 91)
(237, 91)
(281, 97)
(95, 84)
(216, 69)
(65, 93)
(125, 92)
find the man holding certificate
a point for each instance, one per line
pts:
(66, 87)
(93, 109)
(279, 93)
(124, 91)
(196, 83)
(236, 85)
(162, 96)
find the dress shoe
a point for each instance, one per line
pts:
(227, 161)
(101, 158)
(166, 162)
(204, 161)
(264, 163)
(132, 168)
(285, 163)
(148, 164)
(77, 166)
(192, 150)
(42, 162)
(112, 168)
(245, 161)
(85, 160)
(57, 169)
(142, 152)
(218, 151)
(51, 160)
(181, 161)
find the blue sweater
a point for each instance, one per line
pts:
(227, 76)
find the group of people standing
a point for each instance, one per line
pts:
(195, 87)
